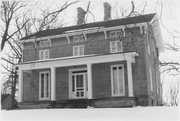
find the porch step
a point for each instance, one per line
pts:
(79, 103)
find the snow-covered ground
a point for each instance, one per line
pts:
(99, 114)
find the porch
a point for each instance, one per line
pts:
(81, 84)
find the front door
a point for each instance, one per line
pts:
(78, 84)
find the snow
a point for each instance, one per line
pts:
(99, 114)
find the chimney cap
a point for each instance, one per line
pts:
(80, 10)
(106, 4)
(107, 11)
(80, 16)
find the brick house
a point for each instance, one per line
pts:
(112, 63)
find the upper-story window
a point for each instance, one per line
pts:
(78, 50)
(116, 46)
(44, 52)
(79, 38)
(116, 34)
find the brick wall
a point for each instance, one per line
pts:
(96, 44)
(31, 85)
(152, 62)
(101, 77)
(62, 83)
(130, 43)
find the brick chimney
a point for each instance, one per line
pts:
(107, 11)
(81, 16)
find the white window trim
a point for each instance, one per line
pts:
(150, 78)
(149, 49)
(44, 54)
(70, 81)
(46, 50)
(112, 88)
(44, 98)
(111, 51)
(78, 46)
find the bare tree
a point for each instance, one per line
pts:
(172, 96)
(166, 67)
(8, 10)
(174, 93)
(24, 25)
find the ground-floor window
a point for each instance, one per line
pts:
(44, 85)
(117, 80)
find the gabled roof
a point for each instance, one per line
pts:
(110, 23)
(4, 96)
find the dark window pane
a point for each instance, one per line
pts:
(82, 94)
(42, 85)
(119, 67)
(80, 71)
(114, 68)
(47, 85)
(73, 83)
(79, 80)
(77, 94)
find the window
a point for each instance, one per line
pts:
(117, 80)
(79, 38)
(43, 54)
(116, 46)
(148, 47)
(150, 77)
(157, 81)
(78, 50)
(116, 34)
(44, 85)
(78, 83)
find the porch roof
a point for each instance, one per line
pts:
(77, 60)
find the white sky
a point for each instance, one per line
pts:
(170, 18)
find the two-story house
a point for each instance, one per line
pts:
(112, 63)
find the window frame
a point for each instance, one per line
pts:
(118, 88)
(148, 48)
(79, 53)
(150, 78)
(74, 72)
(45, 85)
(116, 46)
(44, 54)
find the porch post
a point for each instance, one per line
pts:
(20, 79)
(53, 83)
(89, 74)
(130, 80)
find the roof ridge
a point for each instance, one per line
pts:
(124, 21)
